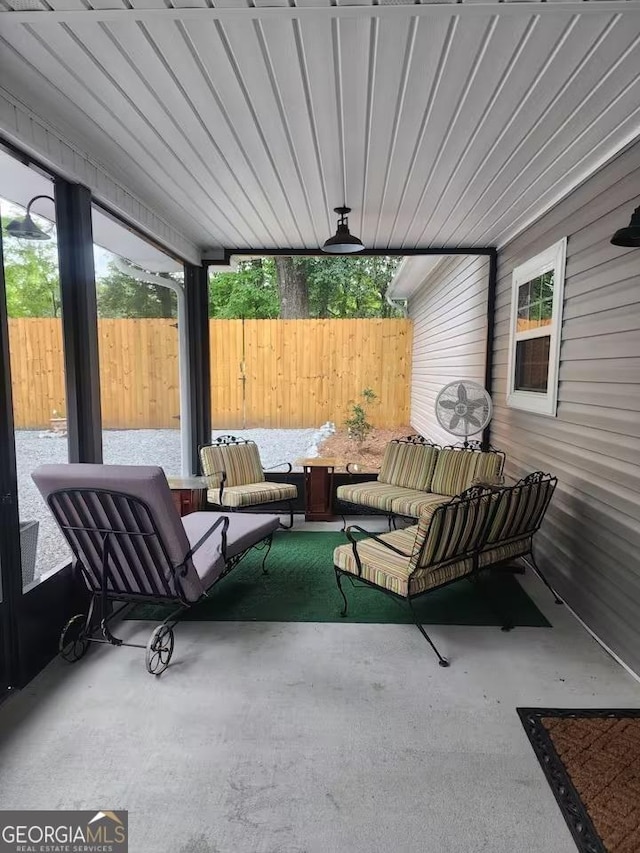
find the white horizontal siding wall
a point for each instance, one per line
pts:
(449, 312)
(590, 541)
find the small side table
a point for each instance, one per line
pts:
(318, 487)
(188, 493)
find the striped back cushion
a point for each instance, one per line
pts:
(456, 469)
(451, 531)
(211, 461)
(240, 461)
(409, 466)
(521, 508)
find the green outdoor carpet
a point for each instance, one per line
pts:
(301, 587)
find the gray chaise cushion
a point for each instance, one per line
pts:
(147, 483)
(244, 531)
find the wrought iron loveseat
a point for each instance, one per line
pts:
(481, 528)
(416, 475)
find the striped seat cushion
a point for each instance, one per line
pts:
(423, 579)
(456, 469)
(391, 571)
(380, 565)
(253, 494)
(413, 503)
(373, 494)
(408, 465)
(505, 551)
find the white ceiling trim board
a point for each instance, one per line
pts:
(433, 10)
(569, 186)
(37, 139)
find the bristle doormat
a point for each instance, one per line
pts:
(591, 759)
(300, 587)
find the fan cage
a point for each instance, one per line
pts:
(463, 408)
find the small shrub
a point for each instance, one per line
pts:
(357, 424)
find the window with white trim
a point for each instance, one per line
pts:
(535, 331)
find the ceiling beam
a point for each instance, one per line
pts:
(214, 259)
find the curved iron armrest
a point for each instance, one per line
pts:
(349, 468)
(354, 544)
(287, 470)
(222, 521)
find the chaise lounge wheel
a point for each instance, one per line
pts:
(159, 649)
(73, 643)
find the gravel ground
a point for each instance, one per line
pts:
(134, 447)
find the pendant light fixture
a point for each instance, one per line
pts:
(342, 243)
(26, 229)
(629, 236)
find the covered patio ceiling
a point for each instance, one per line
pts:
(243, 126)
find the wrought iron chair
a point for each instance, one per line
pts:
(236, 476)
(442, 548)
(131, 545)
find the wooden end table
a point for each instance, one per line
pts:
(318, 487)
(188, 493)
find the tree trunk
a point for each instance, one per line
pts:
(292, 289)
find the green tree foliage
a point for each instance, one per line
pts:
(31, 278)
(249, 292)
(336, 287)
(350, 287)
(120, 295)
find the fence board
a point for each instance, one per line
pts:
(298, 373)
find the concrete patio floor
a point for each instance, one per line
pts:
(311, 738)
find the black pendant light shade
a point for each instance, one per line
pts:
(342, 243)
(629, 236)
(26, 229)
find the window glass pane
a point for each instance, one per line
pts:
(535, 303)
(523, 306)
(37, 361)
(138, 347)
(532, 364)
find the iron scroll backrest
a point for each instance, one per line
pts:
(99, 523)
(454, 531)
(415, 438)
(521, 508)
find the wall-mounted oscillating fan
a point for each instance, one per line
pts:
(463, 408)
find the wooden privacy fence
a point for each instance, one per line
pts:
(264, 373)
(301, 373)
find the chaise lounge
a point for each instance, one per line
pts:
(130, 545)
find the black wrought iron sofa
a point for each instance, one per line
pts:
(131, 545)
(480, 529)
(416, 475)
